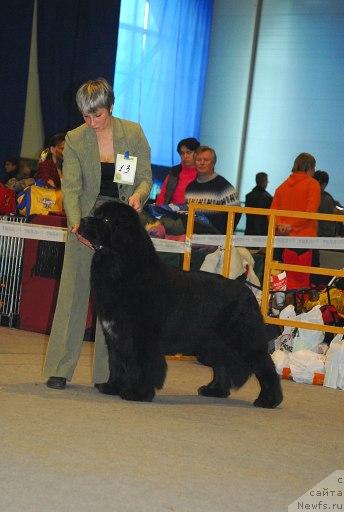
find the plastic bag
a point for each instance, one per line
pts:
(307, 367)
(278, 285)
(286, 340)
(242, 262)
(294, 339)
(334, 366)
(307, 339)
(281, 361)
(278, 282)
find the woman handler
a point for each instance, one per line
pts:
(92, 154)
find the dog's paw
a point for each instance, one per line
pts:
(215, 392)
(137, 396)
(107, 389)
(268, 402)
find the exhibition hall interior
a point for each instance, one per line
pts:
(171, 255)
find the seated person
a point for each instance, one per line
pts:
(22, 179)
(50, 163)
(211, 188)
(175, 183)
(11, 169)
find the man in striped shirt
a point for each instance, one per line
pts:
(211, 188)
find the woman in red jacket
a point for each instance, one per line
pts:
(50, 163)
(179, 177)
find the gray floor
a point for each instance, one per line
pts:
(78, 450)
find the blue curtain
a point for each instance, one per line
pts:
(76, 41)
(15, 37)
(160, 70)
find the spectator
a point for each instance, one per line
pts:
(211, 188)
(50, 163)
(11, 169)
(179, 177)
(327, 205)
(339, 225)
(258, 198)
(300, 192)
(22, 178)
(325, 228)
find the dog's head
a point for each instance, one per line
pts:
(114, 226)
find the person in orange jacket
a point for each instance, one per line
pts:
(300, 192)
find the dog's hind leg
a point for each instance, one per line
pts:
(270, 395)
(219, 386)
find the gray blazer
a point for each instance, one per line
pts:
(82, 172)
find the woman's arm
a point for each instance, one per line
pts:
(143, 176)
(71, 183)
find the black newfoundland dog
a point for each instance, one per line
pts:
(148, 309)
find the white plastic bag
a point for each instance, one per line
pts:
(241, 262)
(305, 365)
(213, 262)
(294, 339)
(281, 360)
(334, 366)
(285, 340)
(307, 339)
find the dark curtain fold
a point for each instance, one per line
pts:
(76, 41)
(15, 39)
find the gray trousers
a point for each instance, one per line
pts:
(68, 327)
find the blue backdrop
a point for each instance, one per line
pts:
(160, 70)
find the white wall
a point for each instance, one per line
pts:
(33, 136)
(227, 81)
(297, 101)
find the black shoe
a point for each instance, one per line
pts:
(56, 382)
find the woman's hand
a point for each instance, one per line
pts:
(135, 202)
(75, 230)
(283, 229)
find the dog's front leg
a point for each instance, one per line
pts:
(136, 366)
(144, 373)
(135, 386)
(113, 385)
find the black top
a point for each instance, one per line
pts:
(257, 224)
(327, 205)
(107, 186)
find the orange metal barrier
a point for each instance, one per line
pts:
(270, 264)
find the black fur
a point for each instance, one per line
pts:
(148, 309)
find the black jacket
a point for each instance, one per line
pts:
(257, 224)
